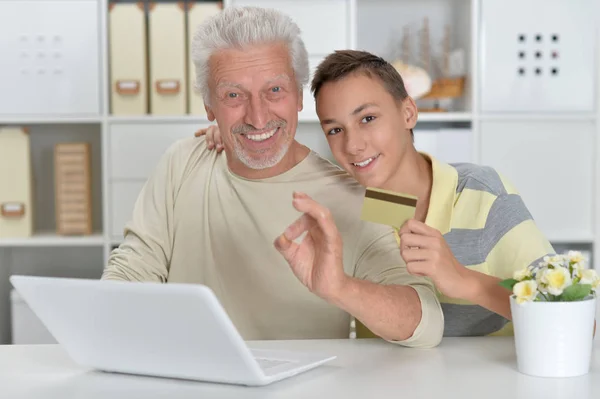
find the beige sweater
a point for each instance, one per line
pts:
(196, 222)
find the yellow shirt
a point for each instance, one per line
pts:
(196, 222)
(489, 229)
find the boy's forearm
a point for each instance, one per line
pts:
(486, 291)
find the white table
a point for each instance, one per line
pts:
(459, 368)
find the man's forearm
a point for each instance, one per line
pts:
(487, 292)
(392, 312)
(133, 260)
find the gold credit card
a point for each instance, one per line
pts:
(388, 207)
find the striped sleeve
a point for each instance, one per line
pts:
(511, 239)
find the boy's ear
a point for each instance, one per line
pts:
(409, 109)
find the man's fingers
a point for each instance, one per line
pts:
(302, 224)
(318, 212)
(286, 247)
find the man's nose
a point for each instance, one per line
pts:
(257, 113)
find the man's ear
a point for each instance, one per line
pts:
(410, 112)
(300, 100)
(209, 113)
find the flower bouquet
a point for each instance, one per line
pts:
(553, 306)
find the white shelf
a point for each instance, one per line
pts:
(48, 239)
(538, 117)
(157, 119)
(38, 120)
(573, 238)
(445, 117)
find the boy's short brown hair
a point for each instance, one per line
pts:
(342, 63)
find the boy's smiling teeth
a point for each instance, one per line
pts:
(364, 163)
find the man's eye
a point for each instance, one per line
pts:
(333, 131)
(232, 95)
(276, 89)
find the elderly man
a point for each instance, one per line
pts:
(234, 222)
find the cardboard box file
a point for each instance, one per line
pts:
(128, 62)
(16, 183)
(197, 13)
(168, 59)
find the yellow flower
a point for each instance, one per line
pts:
(556, 280)
(522, 274)
(589, 276)
(525, 291)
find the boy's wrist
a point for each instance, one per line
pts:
(473, 286)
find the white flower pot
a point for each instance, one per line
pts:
(554, 339)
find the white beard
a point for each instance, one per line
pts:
(261, 163)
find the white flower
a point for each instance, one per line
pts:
(525, 291)
(556, 280)
(541, 286)
(556, 260)
(577, 269)
(575, 257)
(589, 276)
(522, 274)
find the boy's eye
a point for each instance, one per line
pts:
(367, 119)
(333, 131)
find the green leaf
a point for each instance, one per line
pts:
(576, 292)
(509, 283)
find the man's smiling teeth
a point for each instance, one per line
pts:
(263, 136)
(365, 162)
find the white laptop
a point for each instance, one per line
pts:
(166, 330)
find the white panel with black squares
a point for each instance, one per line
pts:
(537, 56)
(546, 53)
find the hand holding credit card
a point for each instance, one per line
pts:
(388, 207)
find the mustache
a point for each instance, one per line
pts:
(243, 129)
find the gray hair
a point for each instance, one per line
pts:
(238, 27)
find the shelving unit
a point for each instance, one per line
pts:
(525, 146)
(50, 239)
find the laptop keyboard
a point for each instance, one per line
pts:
(266, 364)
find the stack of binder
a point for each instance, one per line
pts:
(151, 67)
(16, 183)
